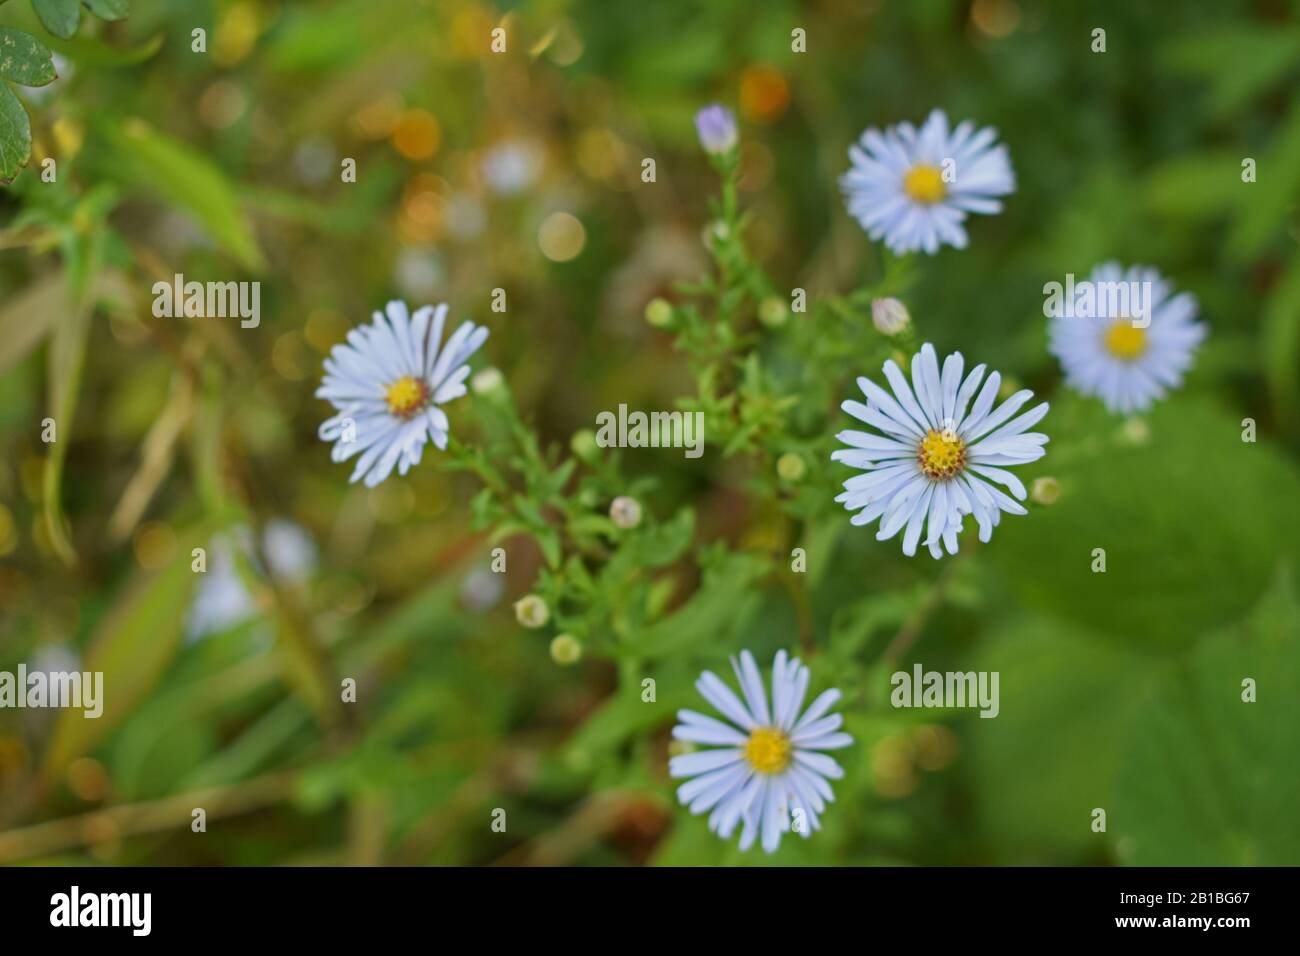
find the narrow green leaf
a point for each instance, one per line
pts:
(181, 175)
(27, 317)
(15, 135)
(1280, 345)
(60, 17)
(91, 51)
(66, 361)
(24, 59)
(132, 648)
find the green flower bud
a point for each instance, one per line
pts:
(566, 650)
(583, 444)
(791, 467)
(773, 312)
(659, 313)
(1045, 490)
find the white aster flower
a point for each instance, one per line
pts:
(765, 771)
(388, 383)
(913, 188)
(936, 461)
(1126, 361)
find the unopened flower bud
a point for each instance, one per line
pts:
(488, 380)
(659, 313)
(716, 126)
(773, 312)
(584, 445)
(889, 316)
(625, 512)
(531, 611)
(1045, 490)
(791, 467)
(1135, 431)
(565, 649)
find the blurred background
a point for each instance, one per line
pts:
(522, 170)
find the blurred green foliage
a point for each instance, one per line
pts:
(1120, 690)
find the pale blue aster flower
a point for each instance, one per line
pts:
(221, 599)
(1126, 360)
(913, 188)
(389, 382)
(716, 127)
(766, 772)
(941, 455)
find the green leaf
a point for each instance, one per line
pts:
(15, 135)
(25, 59)
(182, 175)
(709, 619)
(1280, 345)
(624, 713)
(132, 647)
(27, 317)
(1192, 523)
(661, 545)
(1195, 187)
(60, 17)
(1239, 64)
(83, 251)
(109, 9)
(1210, 778)
(91, 51)
(1067, 705)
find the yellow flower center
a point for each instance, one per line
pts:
(768, 750)
(925, 184)
(1126, 341)
(406, 396)
(941, 454)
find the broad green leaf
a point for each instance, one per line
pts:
(182, 175)
(15, 135)
(24, 59)
(1211, 778)
(1066, 712)
(60, 17)
(109, 9)
(1191, 523)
